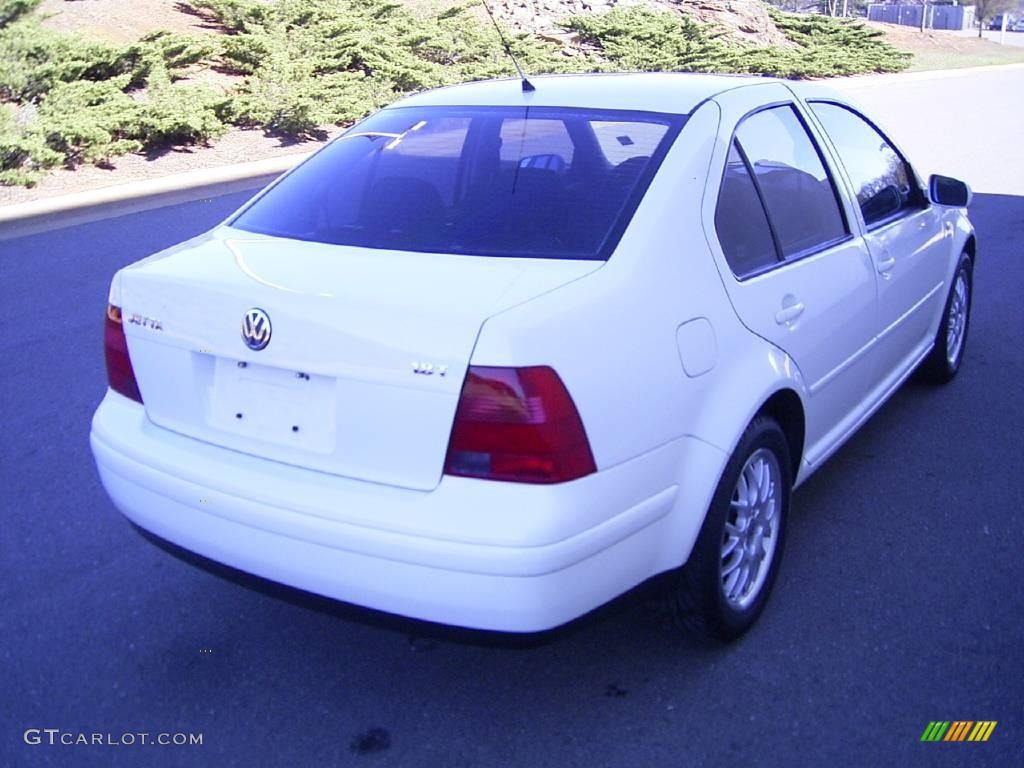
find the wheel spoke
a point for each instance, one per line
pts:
(762, 481)
(759, 552)
(741, 493)
(730, 584)
(739, 581)
(730, 546)
(736, 557)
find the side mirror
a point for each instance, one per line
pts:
(948, 191)
(885, 202)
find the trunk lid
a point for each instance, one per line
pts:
(366, 356)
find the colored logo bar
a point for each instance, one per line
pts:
(959, 730)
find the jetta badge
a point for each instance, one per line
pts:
(256, 329)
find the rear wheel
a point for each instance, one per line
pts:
(723, 587)
(944, 360)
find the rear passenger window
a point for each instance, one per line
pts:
(740, 221)
(884, 182)
(795, 187)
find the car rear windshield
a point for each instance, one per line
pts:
(492, 181)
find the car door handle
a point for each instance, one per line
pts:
(789, 313)
(886, 264)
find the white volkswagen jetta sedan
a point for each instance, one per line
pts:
(495, 356)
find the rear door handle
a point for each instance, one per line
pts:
(886, 264)
(789, 313)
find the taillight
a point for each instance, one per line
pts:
(120, 375)
(519, 425)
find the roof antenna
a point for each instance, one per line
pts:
(527, 85)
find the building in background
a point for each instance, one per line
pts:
(935, 16)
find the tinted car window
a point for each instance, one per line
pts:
(740, 220)
(429, 158)
(496, 181)
(620, 142)
(884, 183)
(527, 139)
(796, 188)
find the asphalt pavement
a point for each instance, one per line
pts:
(899, 601)
(967, 123)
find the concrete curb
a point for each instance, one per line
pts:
(43, 215)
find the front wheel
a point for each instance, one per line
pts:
(944, 360)
(723, 587)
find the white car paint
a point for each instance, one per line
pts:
(389, 312)
(666, 355)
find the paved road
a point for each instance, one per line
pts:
(899, 602)
(958, 123)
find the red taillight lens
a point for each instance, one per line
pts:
(519, 425)
(120, 375)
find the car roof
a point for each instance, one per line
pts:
(671, 92)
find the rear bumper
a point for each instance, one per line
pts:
(469, 553)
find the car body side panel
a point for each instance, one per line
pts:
(833, 342)
(911, 256)
(934, 250)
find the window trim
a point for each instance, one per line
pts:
(903, 213)
(782, 260)
(760, 196)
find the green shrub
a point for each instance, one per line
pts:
(91, 101)
(12, 10)
(175, 52)
(24, 157)
(646, 40)
(87, 121)
(34, 59)
(828, 47)
(640, 39)
(174, 114)
(309, 63)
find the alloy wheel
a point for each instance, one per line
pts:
(957, 321)
(751, 530)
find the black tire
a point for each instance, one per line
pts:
(699, 601)
(944, 361)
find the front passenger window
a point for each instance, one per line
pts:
(884, 182)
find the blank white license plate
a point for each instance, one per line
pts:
(288, 408)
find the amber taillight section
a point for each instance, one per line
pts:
(120, 375)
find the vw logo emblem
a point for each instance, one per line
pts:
(256, 329)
